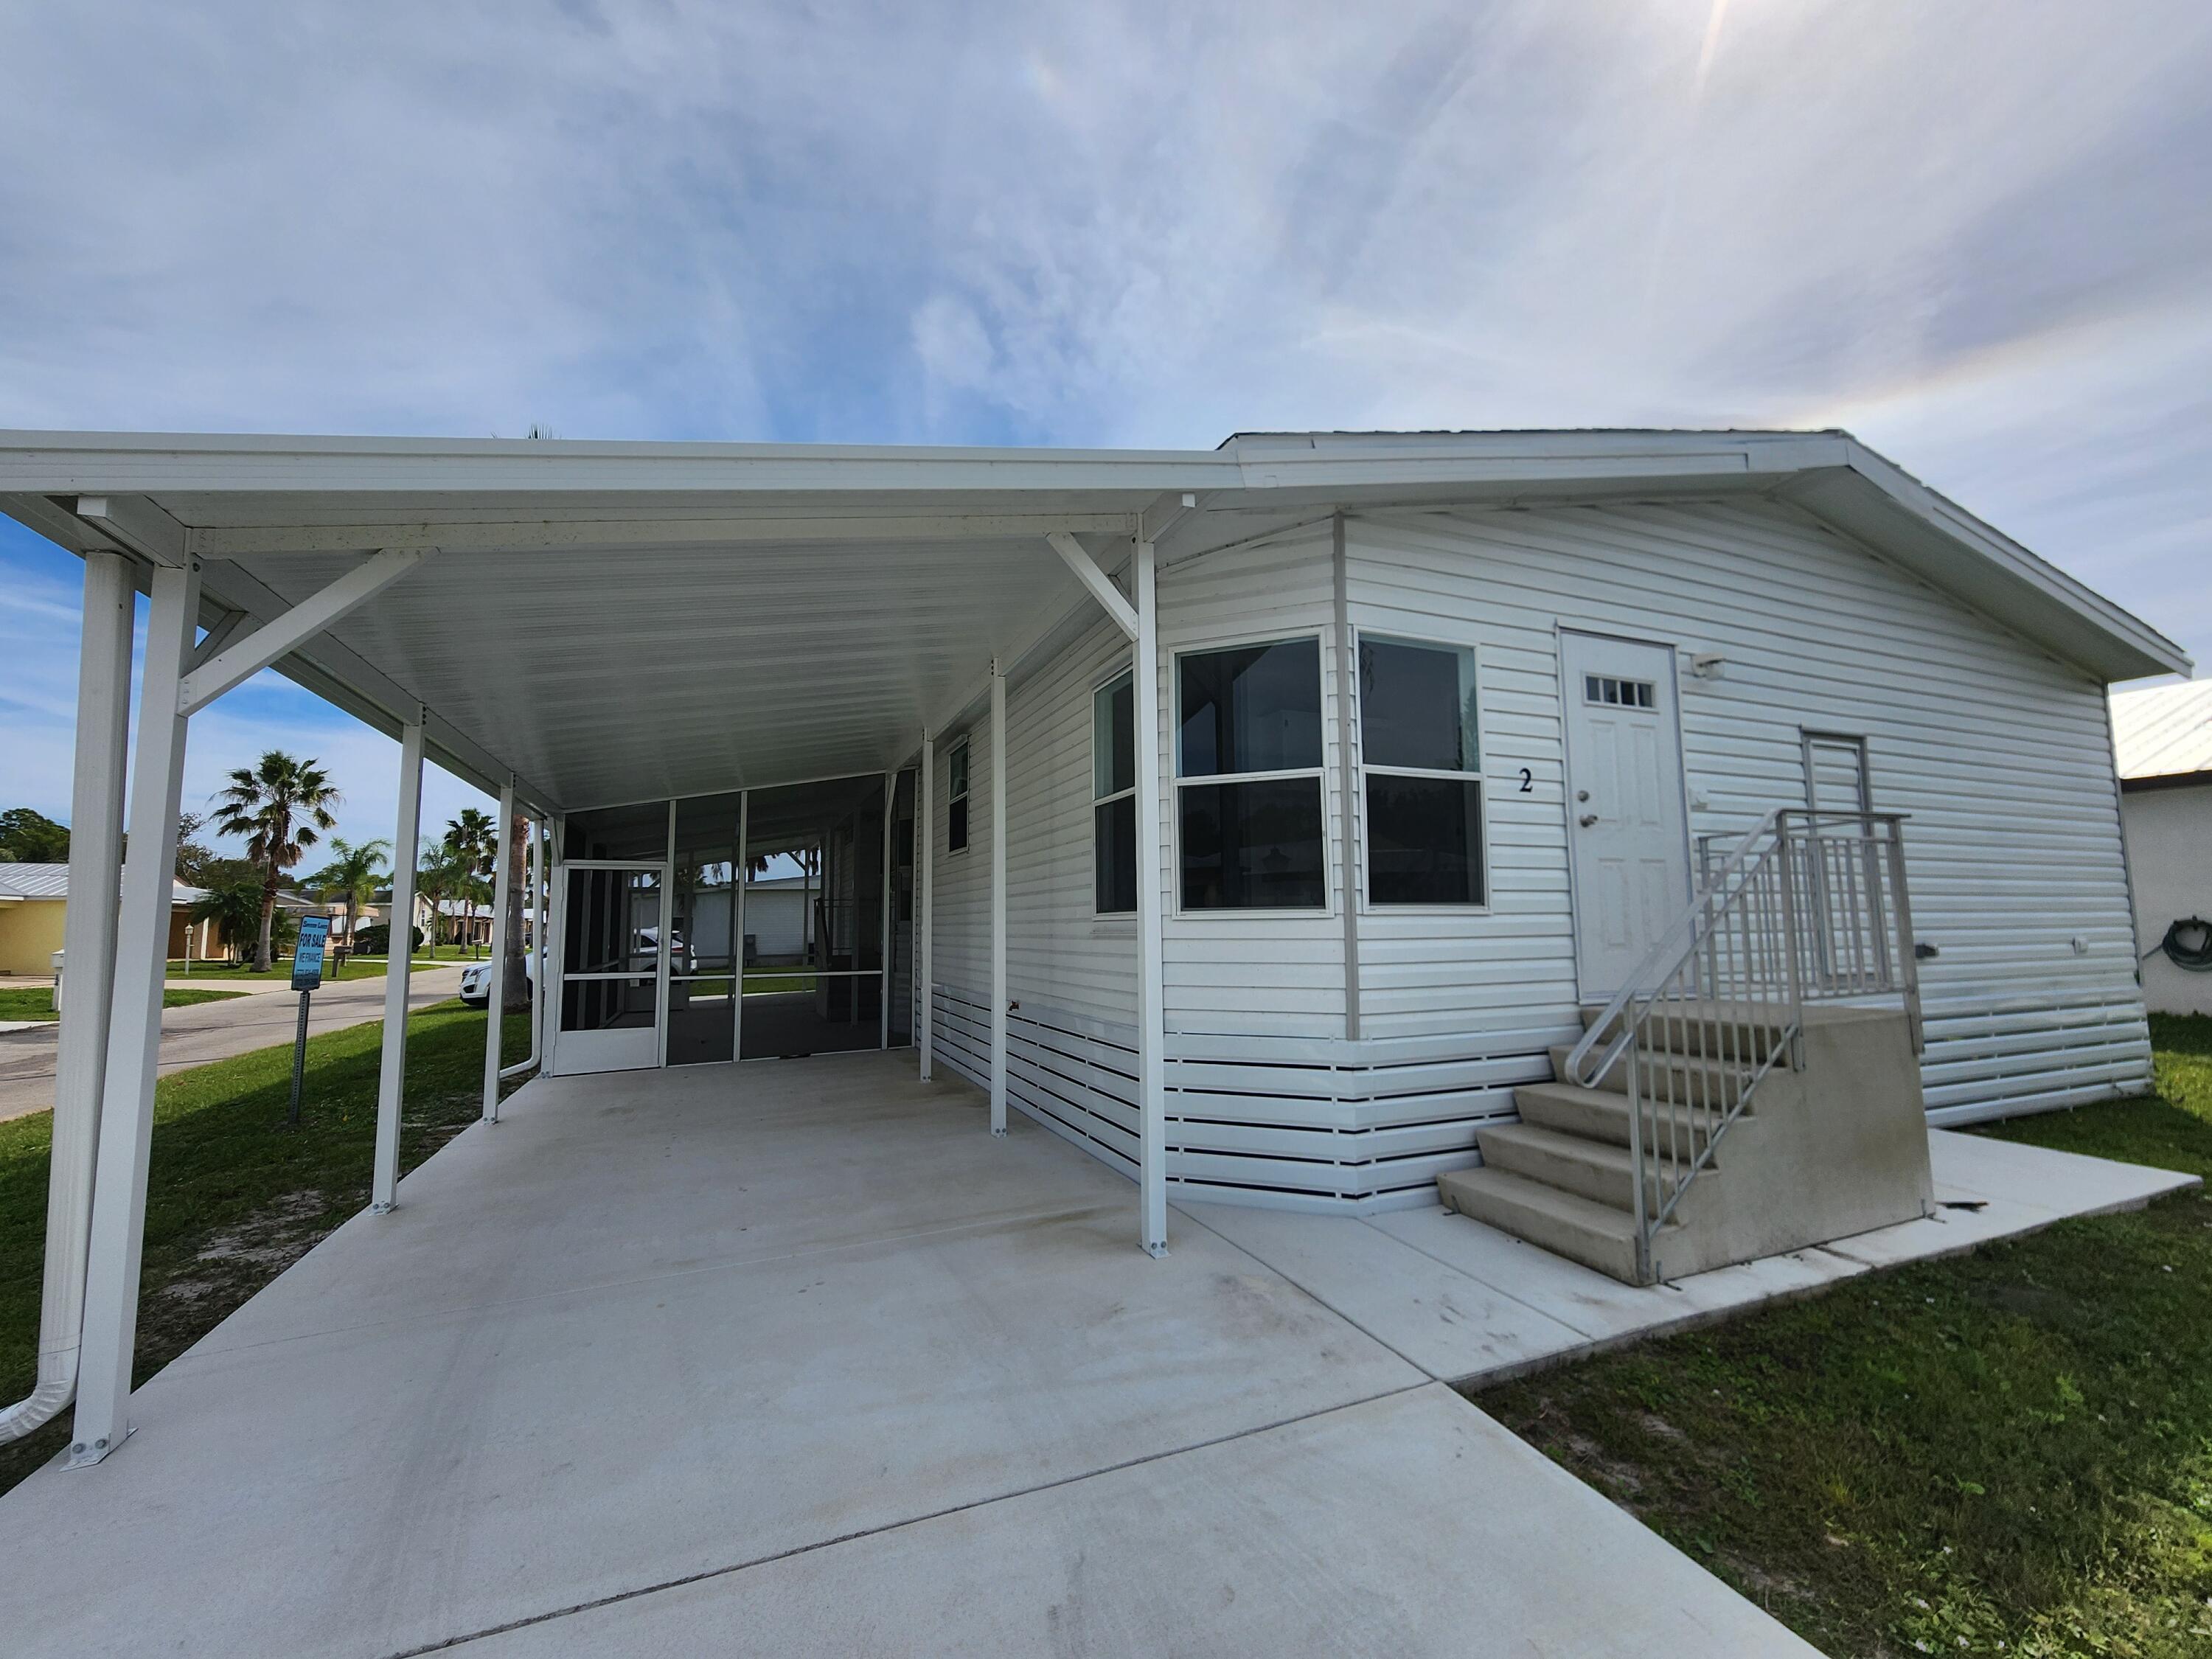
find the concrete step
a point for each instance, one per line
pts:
(1593, 1114)
(1685, 1082)
(1597, 1235)
(1597, 1170)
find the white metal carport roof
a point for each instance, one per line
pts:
(615, 621)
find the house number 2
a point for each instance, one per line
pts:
(1528, 781)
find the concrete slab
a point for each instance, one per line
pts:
(1455, 1316)
(1377, 1529)
(646, 1328)
(1449, 1323)
(2064, 1183)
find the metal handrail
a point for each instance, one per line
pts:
(1809, 905)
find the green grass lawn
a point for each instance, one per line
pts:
(232, 1196)
(235, 973)
(2006, 1453)
(37, 1001)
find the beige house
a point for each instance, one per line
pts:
(34, 901)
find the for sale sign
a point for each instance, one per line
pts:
(308, 954)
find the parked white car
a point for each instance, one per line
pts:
(475, 981)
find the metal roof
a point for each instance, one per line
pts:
(620, 622)
(2163, 730)
(51, 881)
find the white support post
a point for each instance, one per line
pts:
(534, 888)
(925, 882)
(998, 901)
(1151, 1002)
(540, 912)
(737, 948)
(502, 891)
(398, 962)
(103, 731)
(118, 1236)
(555, 959)
(884, 997)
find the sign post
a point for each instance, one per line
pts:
(306, 978)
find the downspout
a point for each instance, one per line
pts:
(89, 942)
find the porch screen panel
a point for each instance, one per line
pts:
(702, 939)
(611, 959)
(812, 971)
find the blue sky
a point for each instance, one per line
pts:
(1974, 233)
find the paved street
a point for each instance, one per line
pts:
(216, 1030)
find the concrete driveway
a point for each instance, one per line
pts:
(203, 1031)
(794, 1358)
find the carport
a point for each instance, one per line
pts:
(576, 628)
(819, 1369)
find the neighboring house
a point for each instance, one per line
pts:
(34, 901)
(2162, 739)
(778, 921)
(1267, 821)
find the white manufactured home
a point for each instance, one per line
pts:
(1633, 833)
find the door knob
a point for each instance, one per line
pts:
(1587, 819)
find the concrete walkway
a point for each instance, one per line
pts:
(203, 1031)
(1468, 1303)
(794, 1358)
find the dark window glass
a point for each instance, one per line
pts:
(1255, 708)
(1114, 739)
(1114, 840)
(1417, 706)
(1424, 840)
(956, 828)
(1253, 846)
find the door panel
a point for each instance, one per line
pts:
(614, 938)
(1626, 824)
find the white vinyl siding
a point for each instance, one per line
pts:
(1999, 754)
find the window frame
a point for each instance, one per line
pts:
(967, 770)
(1099, 688)
(1331, 851)
(1480, 777)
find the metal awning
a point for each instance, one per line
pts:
(615, 621)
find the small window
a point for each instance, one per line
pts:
(1420, 760)
(1618, 693)
(1249, 778)
(956, 793)
(1114, 796)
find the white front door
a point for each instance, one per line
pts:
(1627, 827)
(613, 984)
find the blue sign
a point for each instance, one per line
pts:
(308, 954)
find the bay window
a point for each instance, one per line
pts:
(1421, 764)
(1249, 778)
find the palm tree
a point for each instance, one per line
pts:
(440, 874)
(473, 836)
(350, 876)
(280, 806)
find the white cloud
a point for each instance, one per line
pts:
(1975, 231)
